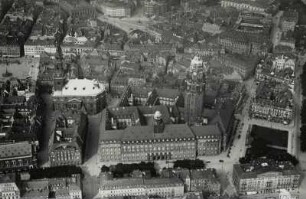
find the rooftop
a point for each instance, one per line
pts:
(206, 130)
(265, 167)
(18, 149)
(115, 3)
(290, 16)
(168, 93)
(81, 87)
(141, 127)
(274, 94)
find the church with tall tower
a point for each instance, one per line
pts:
(195, 91)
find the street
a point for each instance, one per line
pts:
(276, 31)
(49, 124)
(91, 168)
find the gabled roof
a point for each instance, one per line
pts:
(168, 93)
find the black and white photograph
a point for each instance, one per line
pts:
(152, 99)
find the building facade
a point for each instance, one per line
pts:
(205, 50)
(136, 96)
(265, 176)
(155, 7)
(245, 43)
(195, 90)
(199, 180)
(35, 46)
(60, 187)
(235, 42)
(78, 9)
(9, 50)
(207, 145)
(8, 187)
(162, 187)
(116, 8)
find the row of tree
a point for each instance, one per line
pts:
(122, 170)
(55, 172)
(303, 111)
(303, 80)
(189, 164)
(259, 148)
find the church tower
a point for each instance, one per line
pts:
(159, 125)
(195, 90)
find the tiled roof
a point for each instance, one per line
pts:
(147, 132)
(203, 174)
(36, 184)
(131, 133)
(18, 149)
(290, 15)
(206, 130)
(168, 93)
(150, 110)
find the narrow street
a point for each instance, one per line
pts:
(301, 155)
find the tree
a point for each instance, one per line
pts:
(189, 164)
(303, 112)
(104, 169)
(303, 138)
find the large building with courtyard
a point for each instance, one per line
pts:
(143, 133)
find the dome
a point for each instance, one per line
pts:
(157, 115)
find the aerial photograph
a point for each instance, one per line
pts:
(152, 99)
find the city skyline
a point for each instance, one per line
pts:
(197, 99)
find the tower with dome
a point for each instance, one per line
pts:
(195, 90)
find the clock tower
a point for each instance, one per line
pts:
(195, 89)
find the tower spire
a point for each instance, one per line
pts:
(195, 90)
